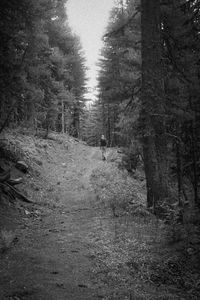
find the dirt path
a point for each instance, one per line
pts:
(74, 244)
(51, 259)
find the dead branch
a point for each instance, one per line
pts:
(5, 176)
(109, 34)
(18, 194)
(15, 181)
(7, 185)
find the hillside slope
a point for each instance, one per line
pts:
(87, 235)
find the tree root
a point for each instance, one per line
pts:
(7, 186)
(18, 194)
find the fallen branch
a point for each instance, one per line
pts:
(7, 185)
(15, 181)
(4, 176)
(18, 194)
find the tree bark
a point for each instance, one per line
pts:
(63, 117)
(76, 120)
(109, 125)
(152, 95)
(179, 172)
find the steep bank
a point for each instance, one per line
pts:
(88, 234)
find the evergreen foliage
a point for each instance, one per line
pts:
(91, 123)
(42, 66)
(149, 92)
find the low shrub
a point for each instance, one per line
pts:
(117, 190)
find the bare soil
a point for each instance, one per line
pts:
(48, 256)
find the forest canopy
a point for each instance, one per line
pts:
(42, 77)
(148, 102)
(148, 85)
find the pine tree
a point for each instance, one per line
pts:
(153, 106)
(41, 60)
(119, 77)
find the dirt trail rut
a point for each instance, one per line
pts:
(51, 259)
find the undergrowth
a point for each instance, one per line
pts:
(137, 255)
(6, 240)
(118, 191)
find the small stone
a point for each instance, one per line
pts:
(22, 166)
(50, 189)
(82, 286)
(190, 251)
(54, 272)
(38, 162)
(60, 285)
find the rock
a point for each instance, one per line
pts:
(50, 189)
(190, 251)
(82, 285)
(38, 162)
(66, 146)
(120, 151)
(22, 166)
(36, 188)
(83, 142)
(15, 181)
(36, 173)
(140, 210)
(60, 285)
(54, 272)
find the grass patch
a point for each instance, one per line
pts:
(7, 239)
(118, 191)
(136, 255)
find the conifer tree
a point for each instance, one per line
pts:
(41, 64)
(163, 112)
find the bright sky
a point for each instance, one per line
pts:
(88, 19)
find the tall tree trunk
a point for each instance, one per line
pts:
(76, 121)
(194, 147)
(109, 125)
(63, 117)
(152, 114)
(194, 158)
(179, 172)
(103, 118)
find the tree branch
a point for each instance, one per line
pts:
(109, 34)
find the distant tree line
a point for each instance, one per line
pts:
(149, 87)
(42, 72)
